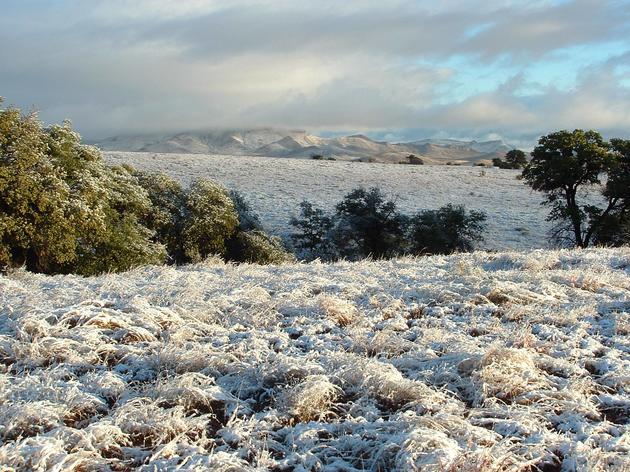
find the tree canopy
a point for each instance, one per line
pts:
(514, 159)
(566, 163)
(61, 209)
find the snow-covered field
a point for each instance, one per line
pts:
(472, 362)
(275, 187)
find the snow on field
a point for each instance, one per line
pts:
(275, 187)
(472, 362)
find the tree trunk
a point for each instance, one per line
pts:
(576, 220)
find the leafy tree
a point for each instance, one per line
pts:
(61, 209)
(446, 230)
(516, 159)
(313, 235)
(210, 219)
(369, 225)
(614, 227)
(563, 164)
(35, 207)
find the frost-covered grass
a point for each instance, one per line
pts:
(474, 362)
(275, 187)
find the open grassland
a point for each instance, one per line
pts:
(275, 187)
(473, 362)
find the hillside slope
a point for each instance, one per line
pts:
(272, 142)
(470, 362)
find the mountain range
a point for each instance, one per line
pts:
(273, 142)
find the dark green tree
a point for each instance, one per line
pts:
(366, 224)
(446, 230)
(516, 159)
(614, 228)
(565, 163)
(313, 233)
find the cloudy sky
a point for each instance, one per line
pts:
(396, 69)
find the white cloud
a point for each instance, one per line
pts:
(141, 65)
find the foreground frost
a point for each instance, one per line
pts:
(476, 362)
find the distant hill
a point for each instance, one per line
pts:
(272, 142)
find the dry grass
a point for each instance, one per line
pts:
(338, 310)
(309, 400)
(474, 362)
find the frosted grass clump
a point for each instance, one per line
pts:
(470, 362)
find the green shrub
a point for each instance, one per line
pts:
(366, 224)
(116, 239)
(166, 219)
(312, 236)
(210, 219)
(257, 247)
(247, 219)
(61, 209)
(206, 220)
(446, 230)
(514, 159)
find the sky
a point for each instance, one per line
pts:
(394, 69)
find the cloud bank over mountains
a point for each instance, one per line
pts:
(457, 69)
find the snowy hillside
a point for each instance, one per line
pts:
(271, 142)
(463, 363)
(275, 188)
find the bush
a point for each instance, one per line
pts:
(447, 230)
(613, 230)
(514, 159)
(247, 219)
(250, 243)
(412, 159)
(168, 199)
(365, 224)
(119, 241)
(205, 220)
(257, 247)
(61, 209)
(368, 225)
(313, 235)
(210, 219)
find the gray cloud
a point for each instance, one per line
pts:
(120, 66)
(533, 32)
